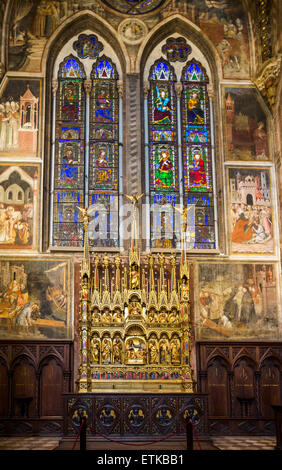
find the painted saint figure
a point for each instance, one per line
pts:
(195, 113)
(70, 102)
(103, 106)
(197, 171)
(162, 106)
(102, 172)
(260, 141)
(164, 173)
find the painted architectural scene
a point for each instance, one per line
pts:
(245, 126)
(250, 210)
(20, 117)
(237, 302)
(34, 299)
(19, 207)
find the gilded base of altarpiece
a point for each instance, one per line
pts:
(137, 386)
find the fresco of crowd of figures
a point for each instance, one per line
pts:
(233, 300)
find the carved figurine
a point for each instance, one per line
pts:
(153, 352)
(106, 351)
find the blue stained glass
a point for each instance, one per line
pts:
(165, 198)
(195, 135)
(161, 71)
(71, 68)
(104, 70)
(68, 173)
(194, 73)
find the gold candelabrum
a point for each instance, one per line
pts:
(135, 326)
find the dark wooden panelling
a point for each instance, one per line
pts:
(243, 380)
(24, 387)
(270, 387)
(39, 372)
(4, 389)
(217, 387)
(51, 387)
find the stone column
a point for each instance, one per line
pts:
(53, 149)
(120, 164)
(211, 98)
(133, 139)
(146, 88)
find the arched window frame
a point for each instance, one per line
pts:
(204, 218)
(162, 153)
(197, 142)
(65, 198)
(104, 176)
(83, 198)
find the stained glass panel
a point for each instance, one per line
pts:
(71, 68)
(69, 154)
(67, 230)
(163, 221)
(196, 152)
(103, 227)
(103, 158)
(163, 153)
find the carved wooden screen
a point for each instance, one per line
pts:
(51, 387)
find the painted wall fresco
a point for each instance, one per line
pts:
(33, 22)
(237, 301)
(225, 23)
(34, 299)
(250, 210)
(19, 206)
(20, 117)
(245, 126)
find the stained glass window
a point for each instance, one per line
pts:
(71, 180)
(196, 150)
(103, 164)
(164, 185)
(69, 154)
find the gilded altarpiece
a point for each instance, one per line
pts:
(135, 332)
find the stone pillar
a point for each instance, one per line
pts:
(53, 149)
(146, 88)
(133, 138)
(120, 156)
(210, 90)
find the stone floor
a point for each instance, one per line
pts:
(216, 443)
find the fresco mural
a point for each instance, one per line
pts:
(237, 302)
(245, 126)
(250, 210)
(33, 22)
(224, 22)
(20, 117)
(19, 206)
(34, 299)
